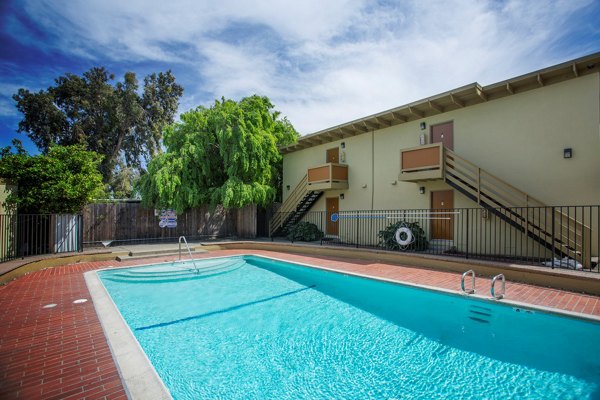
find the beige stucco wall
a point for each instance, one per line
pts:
(6, 224)
(5, 189)
(519, 138)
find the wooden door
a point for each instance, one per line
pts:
(332, 206)
(443, 133)
(333, 155)
(442, 223)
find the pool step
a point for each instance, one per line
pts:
(172, 274)
(480, 314)
(159, 253)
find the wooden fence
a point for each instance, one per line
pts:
(130, 222)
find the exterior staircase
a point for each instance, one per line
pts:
(294, 208)
(552, 227)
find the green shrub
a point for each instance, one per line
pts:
(304, 232)
(387, 237)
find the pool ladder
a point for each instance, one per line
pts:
(495, 295)
(462, 282)
(196, 269)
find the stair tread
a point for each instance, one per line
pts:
(537, 229)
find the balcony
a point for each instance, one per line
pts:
(328, 176)
(422, 163)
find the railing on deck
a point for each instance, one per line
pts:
(422, 163)
(557, 237)
(327, 177)
(26, 235)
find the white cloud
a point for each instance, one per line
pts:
(321, 62)
(7, 104)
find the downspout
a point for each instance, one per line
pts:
(372, 169)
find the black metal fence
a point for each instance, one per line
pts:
(25, 235)
(557, 237)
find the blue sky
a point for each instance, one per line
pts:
(321, 62)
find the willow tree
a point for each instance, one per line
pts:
(223, 155)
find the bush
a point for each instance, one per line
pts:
(304, 232)
(62, 181)
(387, 237)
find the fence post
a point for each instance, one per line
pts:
(80, 225)
(553, 242)
(467, 233)
(357, 227)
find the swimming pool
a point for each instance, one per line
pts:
(253, 327)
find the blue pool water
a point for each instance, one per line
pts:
(255, 328)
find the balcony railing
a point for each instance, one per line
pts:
(422, 163)
(328, 176)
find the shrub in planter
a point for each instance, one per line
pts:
(387, 237)
(304, 232)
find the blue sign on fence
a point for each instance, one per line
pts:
(168, 219)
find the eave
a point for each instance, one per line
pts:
(458, 98)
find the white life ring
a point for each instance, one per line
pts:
(407, 232)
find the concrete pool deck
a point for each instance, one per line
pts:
(61, 352)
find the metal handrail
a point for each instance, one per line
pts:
(189, 252)
(289, 205)
(462, 282)
(492, 288)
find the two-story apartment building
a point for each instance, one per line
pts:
(527, 142)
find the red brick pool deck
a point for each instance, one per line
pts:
(61, 352)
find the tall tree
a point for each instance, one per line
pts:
(114, 121)
(226, 154)
(62, 181)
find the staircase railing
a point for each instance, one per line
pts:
(289, 205)
(557, 229)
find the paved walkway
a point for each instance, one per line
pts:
(61, 352)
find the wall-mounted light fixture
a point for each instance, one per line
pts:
(568, 153)
(423, 125)
(364, 186)
(422, 189)
(342, 196)
(288, 187)
(394, 183)
(343, 145)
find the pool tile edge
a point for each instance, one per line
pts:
(140, 379)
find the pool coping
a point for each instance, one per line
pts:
(140, 379)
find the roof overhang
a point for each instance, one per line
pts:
(455, 99)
